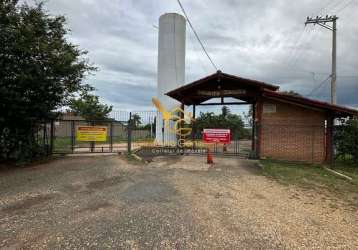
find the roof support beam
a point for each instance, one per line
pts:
(223, 103)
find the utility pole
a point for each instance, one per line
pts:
(322, 22)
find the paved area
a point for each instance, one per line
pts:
(171, 203)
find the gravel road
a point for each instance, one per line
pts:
(101, 202)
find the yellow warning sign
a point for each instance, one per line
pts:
(91, 133)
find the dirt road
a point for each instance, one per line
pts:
(170, 203)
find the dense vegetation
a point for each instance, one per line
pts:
(89, 107)
(346, 141)
(40, 71)
(223, 120)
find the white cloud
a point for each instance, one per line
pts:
(264, 40)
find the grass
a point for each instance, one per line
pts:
(347, 168)
(315, 177)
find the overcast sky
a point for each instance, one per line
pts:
(262, 40)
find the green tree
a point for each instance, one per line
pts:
(249, 116)
(225, 111)
(135, 121)
(89, 107)
(224, 120)
(346, 140)
(40, 71)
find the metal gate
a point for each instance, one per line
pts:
(125, 132)
(130, 132)
(65, 140)
(237, 147)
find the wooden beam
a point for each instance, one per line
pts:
(224, 103)
(295, 104)
(253, 133)
(193, 132)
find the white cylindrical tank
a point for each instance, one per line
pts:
(171, 67)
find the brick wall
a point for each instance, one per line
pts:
(291, 132)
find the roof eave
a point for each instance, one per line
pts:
(339, 111)
(175, 93)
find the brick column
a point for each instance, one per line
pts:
(258, 124)
(329, 139)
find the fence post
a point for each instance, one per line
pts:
(329, 141)
(258, 128)
(52, 134)
(333, 151)
(44, 145)
(111, 136)
(72, 135)
(151, 127)
(253, 129)
(92, 142)
(129, 132)
(312, 143)
(163, 131)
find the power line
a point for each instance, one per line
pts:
(330, 7)
(349, 76)
(196, 35)
(322, 21)
(319, 86)
(196, 52)
(345, 6)
(300, 49)
(298, 40)
(321, 10)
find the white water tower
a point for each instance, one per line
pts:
(171, 66)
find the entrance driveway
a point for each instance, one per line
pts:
(170, 203)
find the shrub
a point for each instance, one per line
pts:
(346, 140)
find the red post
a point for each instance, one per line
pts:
(209, 158)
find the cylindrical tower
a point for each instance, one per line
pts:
(171, 67)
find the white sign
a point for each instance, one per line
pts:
(218, 93)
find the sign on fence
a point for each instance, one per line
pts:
(217, 136)
(91, 133)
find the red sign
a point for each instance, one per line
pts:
(217, 136)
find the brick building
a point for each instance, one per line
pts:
(287, 127)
